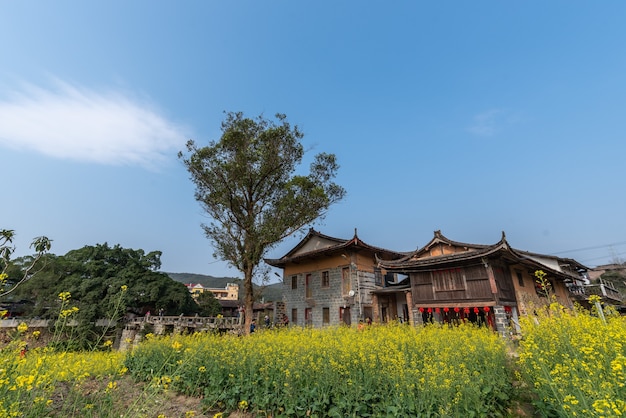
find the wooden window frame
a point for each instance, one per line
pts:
(308, 291)
(346, 280)
(447, 280)
(325, 279)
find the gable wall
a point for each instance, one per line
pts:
(361, 276)
(315, 244)
(441, 249)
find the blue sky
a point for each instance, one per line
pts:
(468, 117)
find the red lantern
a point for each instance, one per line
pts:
(437, 310)
(430, 310)
(486, 309)
(507, 309)
(446, 309)
(422, 310)
(457, 309)
(466, 310)
(476, 310)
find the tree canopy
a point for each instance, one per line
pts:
(94, 275)
(208, 303)
(247, 184)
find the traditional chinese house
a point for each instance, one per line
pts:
(329, 281)
(450, 281)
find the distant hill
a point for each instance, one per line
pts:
(203, 279)
(271, 292)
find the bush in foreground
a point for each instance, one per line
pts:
(336, 372)
(574, 363)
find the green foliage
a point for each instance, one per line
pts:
(94, 275)
(574, 363)
(246, 183)
(381, 371)
(209, 305)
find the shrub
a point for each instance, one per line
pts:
(380, 371)
(574, 363)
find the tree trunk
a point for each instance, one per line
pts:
(249, 300)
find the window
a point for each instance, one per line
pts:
(307, 286)
(294, 316)
(448, 279)
(378, 276)
(294, 282)
(325, 279)
(345, 281)
(520, 278)
(326, 316)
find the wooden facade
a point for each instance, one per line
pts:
(453, 281)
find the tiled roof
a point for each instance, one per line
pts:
(340, 245)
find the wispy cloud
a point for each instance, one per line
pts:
(72, 122)
(487, 123)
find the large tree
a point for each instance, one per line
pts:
(247, 184)
(94, 276)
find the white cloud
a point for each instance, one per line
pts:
(75, 123)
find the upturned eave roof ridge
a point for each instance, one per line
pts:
(332, 249)
(470, 255)
(440, 238)
(446, 258)
(341, 245)
(312, 232)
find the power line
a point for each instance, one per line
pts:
(590, 248)
(604, 256)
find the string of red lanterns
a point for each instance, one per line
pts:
(456, 309)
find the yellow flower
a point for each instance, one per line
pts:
(124, 288)
(243, 405)
(108, 343)
(3, 277)
(69, 312)
(176, 345)
(190, 414)
(36, 334)
(65, 296)
(594, 299)
(202, 369)
(22, 327)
